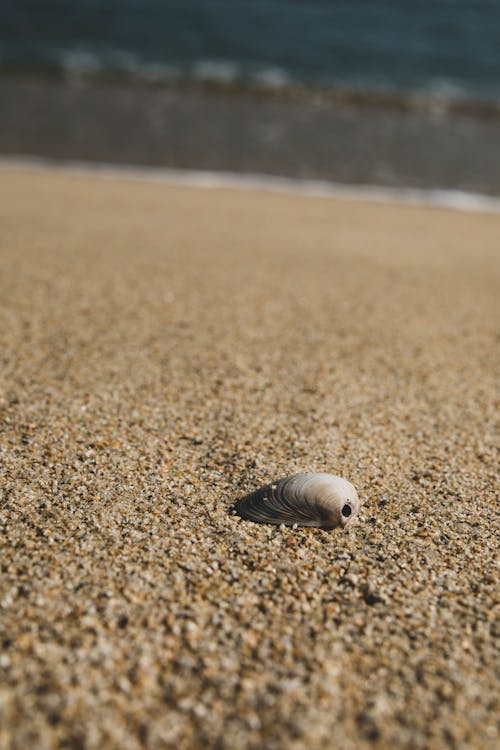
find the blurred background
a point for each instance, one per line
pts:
(383, 92)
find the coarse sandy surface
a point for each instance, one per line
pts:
(166, 349)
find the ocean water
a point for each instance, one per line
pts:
(397, 94)
(438, 48)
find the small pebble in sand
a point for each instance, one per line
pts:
(302, 500)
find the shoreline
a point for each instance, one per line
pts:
(212, 131)
(459, 200)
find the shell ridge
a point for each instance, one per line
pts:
(287, 501)
(305, 499)
(305, 507)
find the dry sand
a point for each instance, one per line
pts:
(165, 349)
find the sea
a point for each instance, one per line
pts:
(360, 92)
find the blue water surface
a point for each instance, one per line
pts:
(446, 47)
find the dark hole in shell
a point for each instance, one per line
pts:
(346, 510)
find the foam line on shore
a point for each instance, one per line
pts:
(434, 197)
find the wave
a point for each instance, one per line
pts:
(439, 96)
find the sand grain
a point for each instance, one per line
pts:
(164, 350)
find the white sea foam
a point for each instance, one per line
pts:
(443, 198)
(273, 78)
(218, 71)
(78, 64)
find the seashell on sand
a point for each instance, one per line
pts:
(304, 500)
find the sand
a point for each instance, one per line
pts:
(166, 349)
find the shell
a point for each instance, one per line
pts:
(304, 500)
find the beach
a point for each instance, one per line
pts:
(166, 349)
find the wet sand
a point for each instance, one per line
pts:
(299, 135)
(166, 349)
